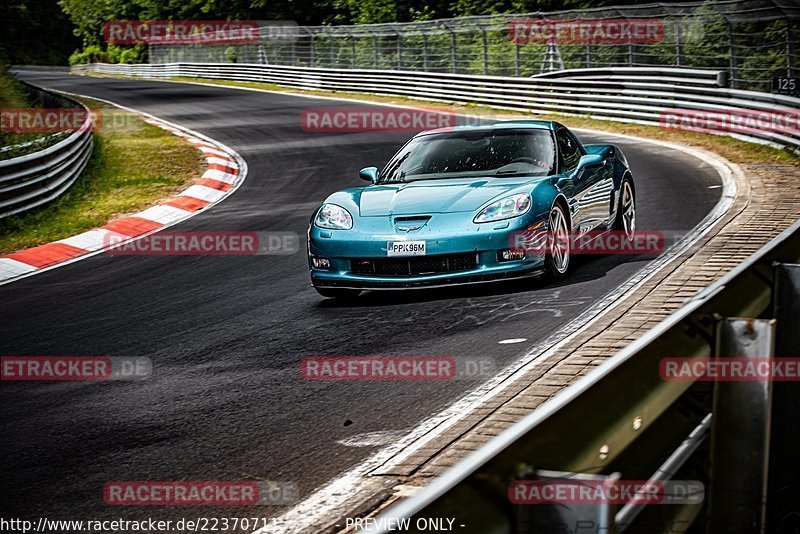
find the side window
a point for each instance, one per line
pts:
(569, 151)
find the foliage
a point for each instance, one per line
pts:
(110, 54)
(35, 32)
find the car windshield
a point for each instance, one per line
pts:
(467, 153)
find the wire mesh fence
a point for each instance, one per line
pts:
(752, 40)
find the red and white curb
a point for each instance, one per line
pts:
(225, 172)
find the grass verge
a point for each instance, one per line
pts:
(12, 94)
(134, 164)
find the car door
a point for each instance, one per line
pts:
(592, 188)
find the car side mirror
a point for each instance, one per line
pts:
(590, 160)
(587, 161)
(370, 174)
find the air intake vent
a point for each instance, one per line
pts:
(412, 218)
(438, 264)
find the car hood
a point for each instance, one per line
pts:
(435, 196)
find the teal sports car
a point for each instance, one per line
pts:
(460, 205)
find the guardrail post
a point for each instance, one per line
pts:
(375, 50)
(453, 48)
(352, 48)
(262, 55)
(424, 50)
(733, 78)
(399, 49)
(784, 487)
(331, 55)
(485, 51)
(740, 434)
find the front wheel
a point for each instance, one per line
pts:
(336, 293)
(556, 261)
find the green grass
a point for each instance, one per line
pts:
(12, 94)
(133, 165)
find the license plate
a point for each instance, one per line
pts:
(405, 248)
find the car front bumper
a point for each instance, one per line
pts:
(451, 237)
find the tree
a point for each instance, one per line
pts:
(35, 32)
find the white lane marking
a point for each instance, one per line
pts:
(322, 505)
(211, 144)
(512, 340)
(371, 439)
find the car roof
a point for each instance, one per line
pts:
(526, 124)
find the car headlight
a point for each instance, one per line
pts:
(505, 208)
(333, 217)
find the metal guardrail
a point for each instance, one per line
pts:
(698, 77)
(29, 181)
(622, 98)
(624, 420)
(754, 40)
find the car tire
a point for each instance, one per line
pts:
(625, 220)
(556, 261)
(339, 294)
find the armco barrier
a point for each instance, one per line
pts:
(29, 181)
(662, 75)
(624, 420)
(621, 94)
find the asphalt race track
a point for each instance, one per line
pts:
(226, 334)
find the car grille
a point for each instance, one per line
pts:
(444, 263)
